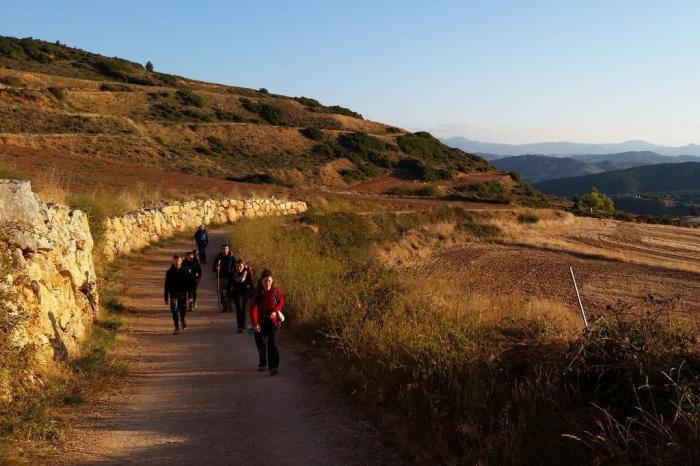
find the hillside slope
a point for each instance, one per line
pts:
(59, 98)
(536, 168)
(647, 179)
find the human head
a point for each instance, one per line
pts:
(201, 227)
(189, 256)
(177, 261)
(266, 279)
(240, 265)
(224, 248)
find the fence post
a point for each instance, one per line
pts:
(578, 295)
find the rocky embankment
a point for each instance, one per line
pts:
(50, 285)
(48, 282)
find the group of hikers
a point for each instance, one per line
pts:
(236, 288)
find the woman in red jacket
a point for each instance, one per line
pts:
(265, 315)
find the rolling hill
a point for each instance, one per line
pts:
(661, 178)
(567, 148)
(57, 98)
(535, 168)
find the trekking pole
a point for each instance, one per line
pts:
(218, 291)
(578, 295)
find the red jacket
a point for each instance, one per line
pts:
(264, 303)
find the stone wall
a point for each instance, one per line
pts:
(138, 229)
(52, 276)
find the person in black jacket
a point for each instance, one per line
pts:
(191, 265)
(239, 289)
(201, 239)
(178, 285)
(223, 268)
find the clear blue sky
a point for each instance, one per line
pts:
(505, 71)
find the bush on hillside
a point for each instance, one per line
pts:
(594, 200)
(271, 114)
(314, 134)
(418, 170)
(188, 97)
(487, 191)
(149, 66)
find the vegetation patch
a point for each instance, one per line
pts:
(493, 380)
(316, 106)
(261, 178)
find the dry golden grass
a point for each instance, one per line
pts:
(669, 247)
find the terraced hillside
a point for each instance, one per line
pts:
(57, 98)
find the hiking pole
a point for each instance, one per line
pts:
(578, 295)
(218, 291)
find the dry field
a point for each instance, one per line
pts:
(614, 261)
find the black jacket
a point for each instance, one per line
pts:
(177, 281)
(194, 269)
(201, 238)
(226, 263)
(241, 284)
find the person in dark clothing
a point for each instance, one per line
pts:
(239, 289)
(191, 265)
(266, 317)
(178, 284)
(201, 239)
(223, 267)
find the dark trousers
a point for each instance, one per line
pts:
(178, 306)
(240, 301)
(202, 251)
(193, 295)
(266, 342)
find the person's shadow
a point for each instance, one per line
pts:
(60, 350)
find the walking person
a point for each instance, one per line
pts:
(239, 289)
(178, 285)
(201, 239)
(192, 266)
(223, 267)
(266, 317)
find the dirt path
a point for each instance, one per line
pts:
(197, 398)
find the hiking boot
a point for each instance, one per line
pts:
(274, 371)
(184, 325)
(176, 331)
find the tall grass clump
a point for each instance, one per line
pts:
(470, 378)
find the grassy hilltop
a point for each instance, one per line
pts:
(53, 97)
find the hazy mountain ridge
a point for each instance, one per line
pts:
(567, 148)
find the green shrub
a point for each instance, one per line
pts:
(149, 66)
(223, 115)
(490, 191)
(271, 114)
(314, 134)
(188, 97)
(262, 90)
(594, 200)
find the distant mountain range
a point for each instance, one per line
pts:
(661, 178)
(491, 149)
(535, 168)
